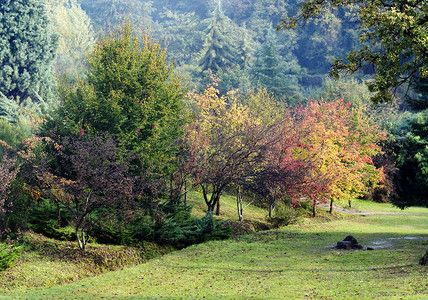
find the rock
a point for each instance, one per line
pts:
(351, 239)
(346, 245)
(424, 259)
(349, 243)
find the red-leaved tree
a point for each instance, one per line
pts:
(82, 175)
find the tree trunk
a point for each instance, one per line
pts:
(217, 212)
(272, 206)
(314, 209)
(239, 205)
(58, 212)
(185, 191)
(271, 209)
(81, 239)
(331, 206)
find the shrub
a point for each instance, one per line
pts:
(187, 232)
(8, 255)
(284, 215)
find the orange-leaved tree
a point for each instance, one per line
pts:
(340, 142)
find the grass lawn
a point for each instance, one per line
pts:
(294, 262)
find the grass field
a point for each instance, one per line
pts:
(294, 262)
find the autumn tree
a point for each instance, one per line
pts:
(226, 144)
(8, 171)
(340, 142)
(393, 38)
(82, 175)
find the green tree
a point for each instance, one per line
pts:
(412, 160)
(76, 37)
(218, 47)
(131, 93)
(418, 99)
(270, 70)
(27, 51)
(394, 41)
(107, 14)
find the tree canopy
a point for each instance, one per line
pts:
(27, 51)
(394, 40)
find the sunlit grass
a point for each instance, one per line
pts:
(295, 262)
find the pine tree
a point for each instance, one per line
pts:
(27, 50)
(218, 50)
(270, 70)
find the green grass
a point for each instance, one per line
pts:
(228, 208)
(295, 262)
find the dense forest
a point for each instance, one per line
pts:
(112, 111)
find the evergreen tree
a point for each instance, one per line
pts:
(270, 70)
(27, 51)
(418, 99)
(113, 13)
(131, 93)
(218, 50)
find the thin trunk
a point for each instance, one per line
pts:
(185, 191)
(272, 206)
(58, 213)
(217, 212)
(79, 239)
(350, 203)
(239, 205)
(331, 206)
(314, 210)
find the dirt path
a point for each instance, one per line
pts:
(355, 211)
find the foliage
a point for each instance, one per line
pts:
(218, 52)
(394, 41)
(26, 54)
(83, 175)
(412, 162)
(8, 255)
(108, 14)
(14, 133)
(130, 93)
(340, 143)
(225, 144)
(76, 37)
(284, 214)
(182, 234)
(418, 100)
(272, 71)
(8, 171)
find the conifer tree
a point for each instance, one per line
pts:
(218, 49)
(271, 71)
(27, 50)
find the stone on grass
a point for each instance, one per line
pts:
(350, 243)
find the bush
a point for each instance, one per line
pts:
(8, 255)
(188, 232)
(284, 215)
